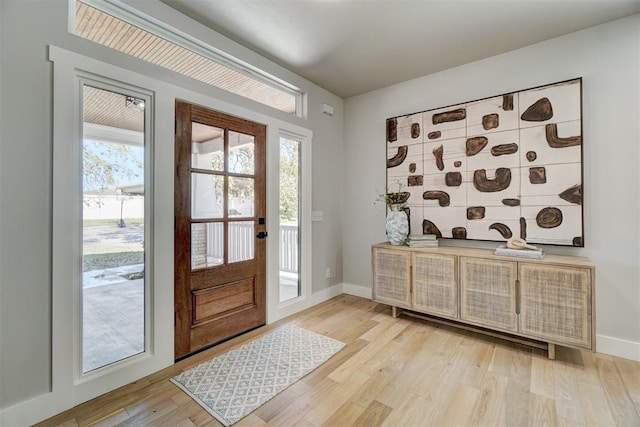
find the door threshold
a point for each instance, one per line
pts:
(208, 346)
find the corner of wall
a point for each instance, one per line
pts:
(357, 290)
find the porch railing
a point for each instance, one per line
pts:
(289, 250)
(241, 237)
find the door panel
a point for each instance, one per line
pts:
(219, 198)
(487, 293)
(556, 303)
(392, 277)
(215, 302)
(435, 284)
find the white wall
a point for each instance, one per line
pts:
(110, 207)
(607, 57)
(26, 186)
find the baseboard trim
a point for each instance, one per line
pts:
(618, 347)
(295, 306)
(327, 294)
(356, 290)
(31, 411)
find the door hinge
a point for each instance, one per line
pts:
(174, 318)
(175, 127)
(262, 235)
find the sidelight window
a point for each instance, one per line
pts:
(289, 238)
(113, 225)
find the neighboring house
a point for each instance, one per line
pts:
(348, 171)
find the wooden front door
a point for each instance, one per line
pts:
(220, 197)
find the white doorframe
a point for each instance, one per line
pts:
(276, 309)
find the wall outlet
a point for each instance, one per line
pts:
(327, 273)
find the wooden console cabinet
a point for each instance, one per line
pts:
(538, 302)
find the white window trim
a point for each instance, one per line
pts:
(75, 169)
(70, 386)
(124, 12)
(67, 235)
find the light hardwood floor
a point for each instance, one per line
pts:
(400, 372)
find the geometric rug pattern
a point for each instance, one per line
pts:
(235, 383)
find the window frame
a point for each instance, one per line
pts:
(83, 78)
(299, 215)
(276, 309)
(106, 84)
(69, 383)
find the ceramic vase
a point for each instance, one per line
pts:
(397, 225)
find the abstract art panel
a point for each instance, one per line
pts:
(501, 167)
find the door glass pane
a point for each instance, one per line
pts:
(241, 153)
(241, 240)
(289, 239)
(113, 211)
(241, 197)
(207, 195)
(207, 147)
(207, 244)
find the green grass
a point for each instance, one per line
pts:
(111, 260)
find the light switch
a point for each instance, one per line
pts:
(316, 216)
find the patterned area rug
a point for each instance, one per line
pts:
(233, 384)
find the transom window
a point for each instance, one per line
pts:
(111, 31)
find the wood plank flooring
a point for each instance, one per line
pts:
(399, 372)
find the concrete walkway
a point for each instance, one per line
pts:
(113, 320)
(113, 306)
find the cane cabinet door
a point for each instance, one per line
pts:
(488, 293)
(435, 287)
(556, 303)
(391, 277)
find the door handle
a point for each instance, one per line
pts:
(261, 235)
(518, 296)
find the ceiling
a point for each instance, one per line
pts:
(351, 47)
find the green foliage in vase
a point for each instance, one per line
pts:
(395, 200)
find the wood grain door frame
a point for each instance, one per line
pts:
(189, 284)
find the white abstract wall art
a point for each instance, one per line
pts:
(509, 165)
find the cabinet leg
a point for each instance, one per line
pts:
(395, 312)
(552, 351)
